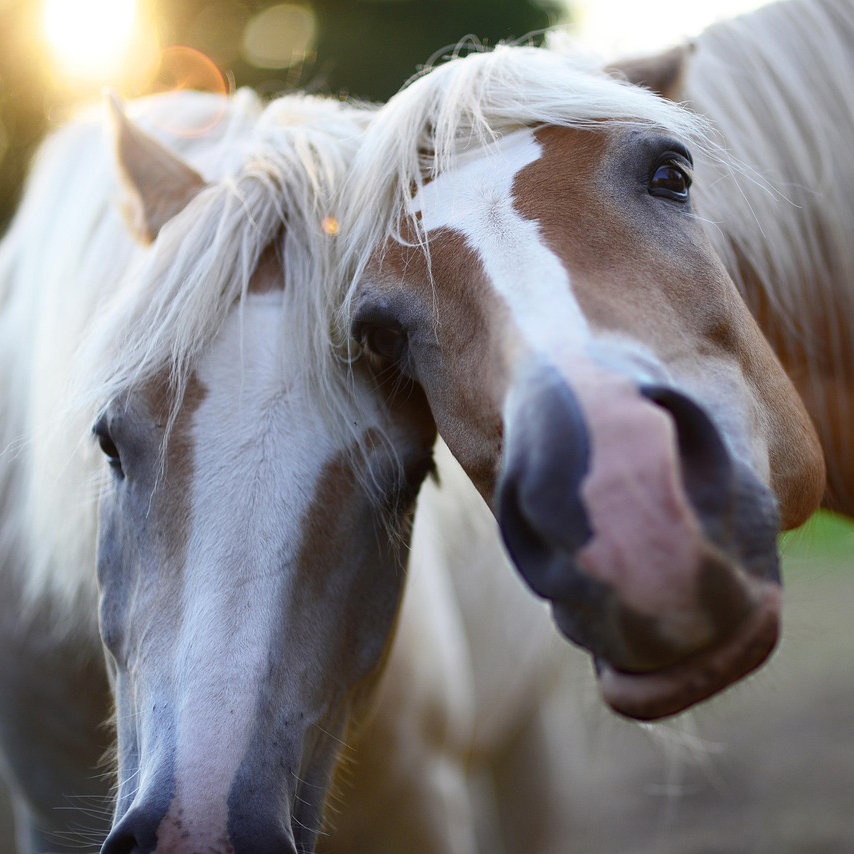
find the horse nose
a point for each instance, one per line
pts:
(622, 506)
(706, 466)
(137, 833)
(538, 498)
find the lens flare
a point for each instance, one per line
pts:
(181, 68)
(280, 36)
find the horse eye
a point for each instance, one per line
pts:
(108, 447)
(387, 342)
(670, 181)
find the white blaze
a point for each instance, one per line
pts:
(476, 200)
(255, 467)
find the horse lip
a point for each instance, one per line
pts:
(659, 694)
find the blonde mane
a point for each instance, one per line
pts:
(472, 101)
(107, 316)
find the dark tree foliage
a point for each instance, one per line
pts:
(369, 48)
(24, 102)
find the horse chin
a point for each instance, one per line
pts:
(656, 694)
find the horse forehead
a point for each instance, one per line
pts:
(474, 191)
(250, 354)
(477, 200)
(261, 425)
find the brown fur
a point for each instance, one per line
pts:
(178, 462)
(803, 344)
(662, 73)
(269, 274)
(806, 354)
(462, 310)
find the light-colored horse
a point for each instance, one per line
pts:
(772, 83)
(254, 490)
(539, 271)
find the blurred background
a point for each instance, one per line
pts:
(56, 53)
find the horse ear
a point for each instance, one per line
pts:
(159, 184)
(663, 73)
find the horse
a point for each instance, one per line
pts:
(522, 247)
(171, 395)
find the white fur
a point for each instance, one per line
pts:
(475, 198)
(471, 102)
(249, 504)
(457, 136)
(777, 85)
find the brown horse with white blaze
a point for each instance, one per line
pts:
(538, 269)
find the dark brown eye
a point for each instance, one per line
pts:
(386, 342)
(670, 181)
(108, 447)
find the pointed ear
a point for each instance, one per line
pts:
(159, 184)
(663, 73)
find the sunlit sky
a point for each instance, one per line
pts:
(89, 38)
(635, 27)
(98, 42)
(93, 43)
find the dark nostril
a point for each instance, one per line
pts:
(123, 844)
(136, 833)
(538, 499)
(707, 469)
(547, 455)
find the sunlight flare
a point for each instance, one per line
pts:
(90, 39)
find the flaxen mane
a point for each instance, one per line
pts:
(109, 316)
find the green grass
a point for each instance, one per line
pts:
(825, 536)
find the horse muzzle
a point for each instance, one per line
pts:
(265, 810)
(624, 508)
(145, 830)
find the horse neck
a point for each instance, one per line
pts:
(776, 85)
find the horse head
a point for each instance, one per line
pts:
(539, 270)
(256, 506)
